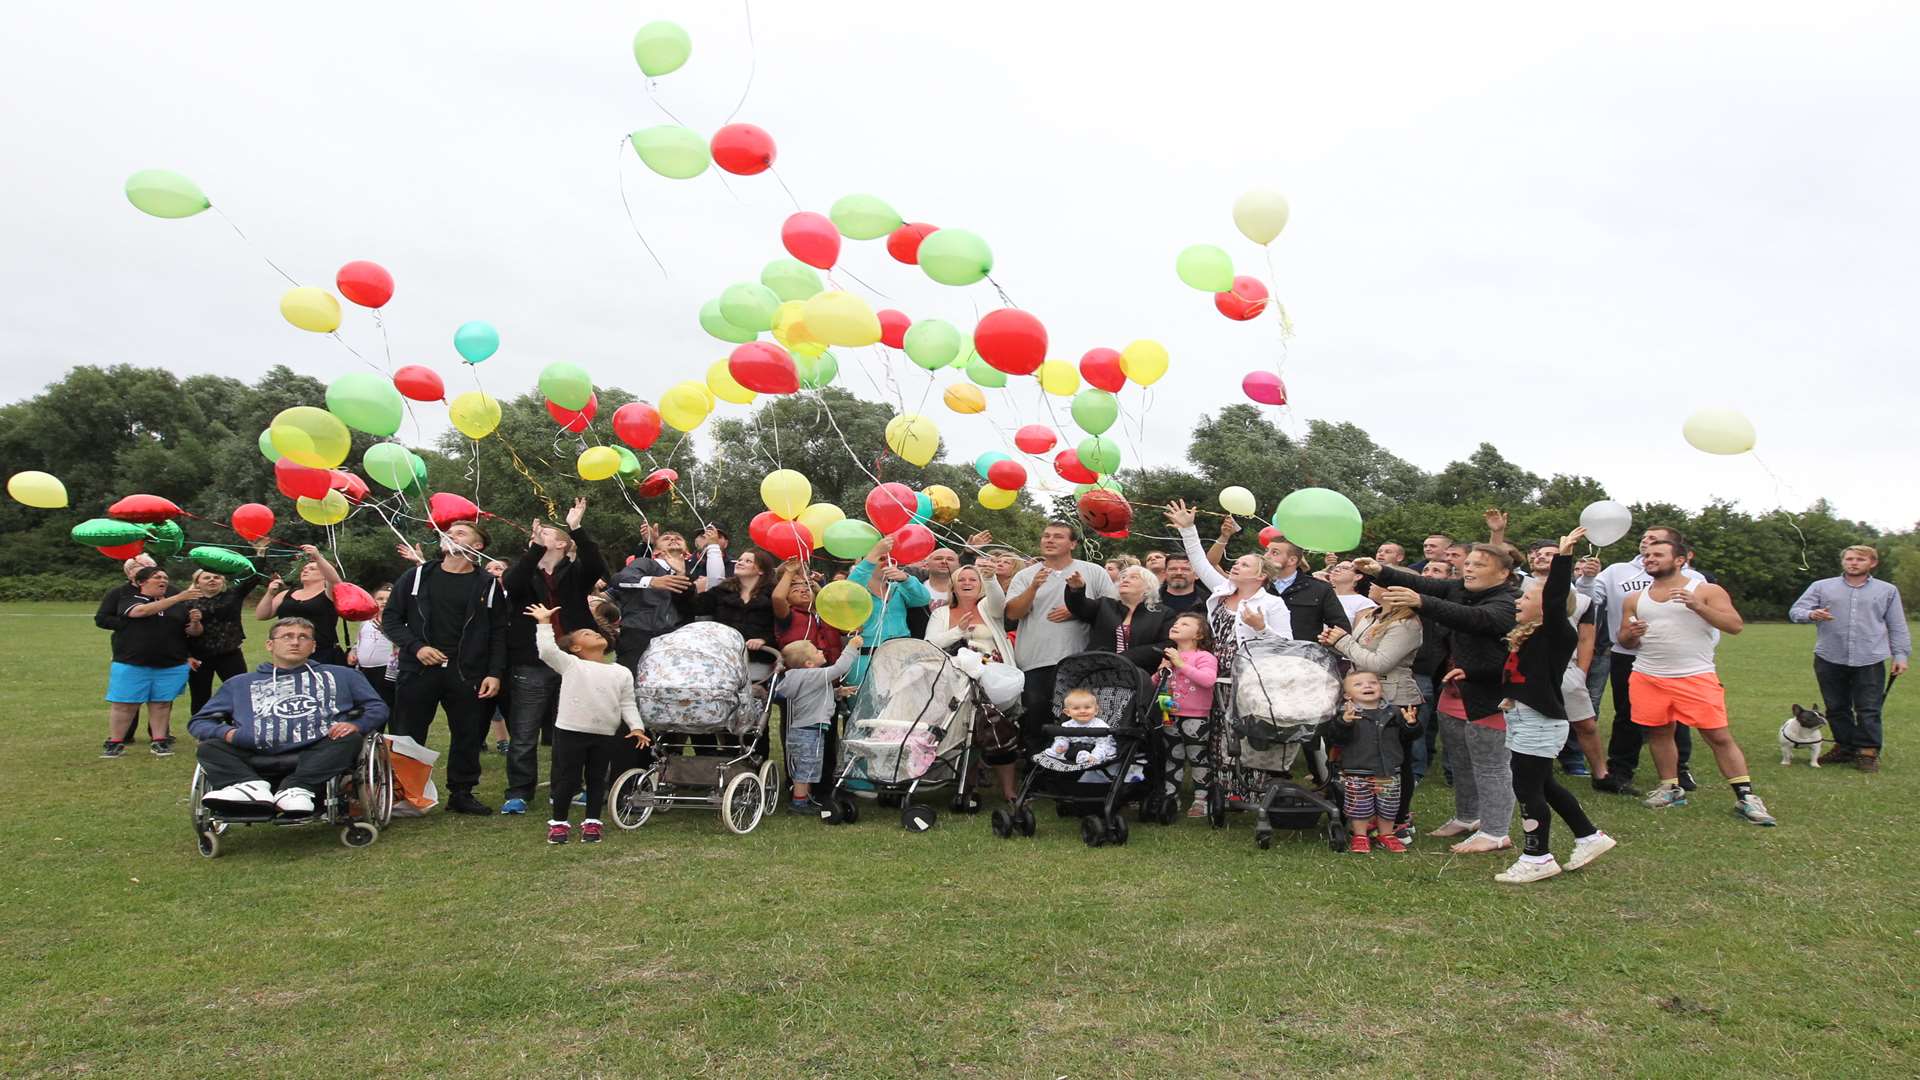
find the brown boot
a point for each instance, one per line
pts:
(1867, 761)
(1839, 755)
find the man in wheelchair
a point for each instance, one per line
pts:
(288, 707)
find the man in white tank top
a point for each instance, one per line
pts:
(1672, 626)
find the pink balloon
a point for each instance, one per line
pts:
(812, 239)
(1246, 300)
(1265, 387)
(893, 328)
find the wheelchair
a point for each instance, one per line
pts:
(359, 801)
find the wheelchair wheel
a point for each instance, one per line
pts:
(209, 842)
(632, 798)
(376, 796)
(195, 792)
(360, 834)
(769, 787)
(741, 802)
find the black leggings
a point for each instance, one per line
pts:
(1541, 796)
(576, 753)
(200, 682)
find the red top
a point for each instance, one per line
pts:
(802, 625)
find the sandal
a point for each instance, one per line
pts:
(1455, 827)
(1480, 842)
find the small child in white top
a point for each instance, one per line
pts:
(595, 696)
(1083, 711)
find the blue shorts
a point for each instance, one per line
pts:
(131, 684)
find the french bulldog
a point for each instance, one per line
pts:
(1802, 732)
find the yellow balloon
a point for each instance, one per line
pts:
(965, 398)
(331, 510)
(840, 318)
(311, 308)
(1144, 361)
(843, 605)
(786, 493)
(817, 517)
(43, 491)
(598, 462)
(720, 380)
(1237, 500)
(474, 414)
(790, 331)
(685, 404)
(1720, 431)
(312, 437)
(913, 438)
(1260, 214)
(1059, 378)
(946, 502)
(994, 498)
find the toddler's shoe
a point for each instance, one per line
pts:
(1358, 846)
(590, 832)
(558, 832)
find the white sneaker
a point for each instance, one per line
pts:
(1588, 848)
(240, 794)
(294, 801)
(1524, 870)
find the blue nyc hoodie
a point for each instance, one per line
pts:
(279, 711)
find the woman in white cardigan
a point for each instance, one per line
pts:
(976, 614)
(1241, 590)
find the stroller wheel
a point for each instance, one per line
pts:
(1002, 824)
(632, 797)
(1023, 820)
(889, 802)
(917, 818)
(965, 803)
(1264, 838)
(846, 808)
(1092, 831)
(1336, 836)
(770, 788)
(1117, 829)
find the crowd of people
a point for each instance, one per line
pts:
(1481, 663)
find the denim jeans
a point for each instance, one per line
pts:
(1853, 696)
(535, 699)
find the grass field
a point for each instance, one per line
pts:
(1703, 946)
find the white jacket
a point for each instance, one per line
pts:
(1271, 608)
(993, 613)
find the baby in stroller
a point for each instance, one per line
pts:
(1371, 737)
(1083, 752)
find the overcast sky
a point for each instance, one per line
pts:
(1558, 231)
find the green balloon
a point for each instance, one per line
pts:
(419, 487)
(1319, 519)
(850, 538)
(1095, 411)
(266, 446)
(791, 279)
(863, 217)
(629, 465)
(956, 257)
(566, 385)
(108, 532)
(985, 374)
(389, 464)
(717, 325)
(749, 306)
(1105, 483)
(221, 561)
(1099, 453)
(165, 194)
(674, 152)
(660, 48)
(366, 402)
(816, 371)
(165, 539)
(1205, 267)
(932, 343)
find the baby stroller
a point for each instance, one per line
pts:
(910, 727)
(1282, 692)
(1099, 790)
(359, 800)
(697, 682)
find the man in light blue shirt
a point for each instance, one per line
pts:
(1861, 628)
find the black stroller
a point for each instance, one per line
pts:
(1099, 791)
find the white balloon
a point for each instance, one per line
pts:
(1719, 431)
(1260, 214)
(1237, 500)
(1606, 522)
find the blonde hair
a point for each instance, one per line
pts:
(1868, 550)
(1080, 693)
(796, 653)
(1518, 636)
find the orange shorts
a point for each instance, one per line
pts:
(1698, 701)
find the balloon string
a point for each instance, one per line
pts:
(862, 284)
(250, 245)
(620, 177)
(335, 335)
(520, 467)
(781, 180)
(1778, 486)
(753, 64)
(1004, 298)
(652, 85)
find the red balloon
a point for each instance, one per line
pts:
(911, 543)
(347, 484)
(658, 482)
(764, 367)
(1106, 512)
(252, 521)
(812, 239)
(759, 529)
(1246, 300)
(743, 149)
(889, 506)
(298, 481)
(1012, 341)
(574, 421)
(1269, 534)
(447, 510)
(353, 603)
(1067, 464)
(1009, 475)
(903, 243)
(1101, 367)
(893, 327)
(1034, 438)
(365, 283)
(419, 383)
(124, 552)
(145, 509)
(637, 424)
(783, 539)
(1264, 387)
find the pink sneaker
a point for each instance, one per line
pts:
(590, 832)
(559, 832)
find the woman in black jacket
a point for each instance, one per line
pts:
(216, 650)
(743, 601)
(1134, 625)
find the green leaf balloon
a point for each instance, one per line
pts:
(863, 217)
(165, 539)
(566, 385)
(674, 152)
(221, 561)
(108, 532)
(958, 257)
(661, 47)
(165, 194)
(1205, 267)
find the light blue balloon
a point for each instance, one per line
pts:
(475, 341)
(985, 462)
(923, 508)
